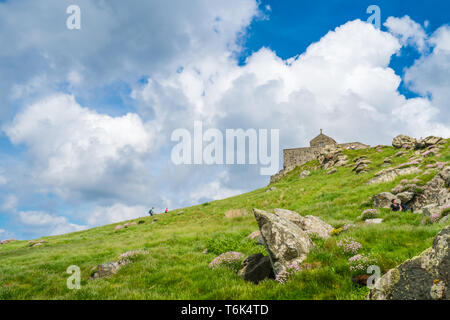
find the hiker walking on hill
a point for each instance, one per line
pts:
(398, 207)
(167, 210)
(150, 212)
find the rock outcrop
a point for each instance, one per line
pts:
(105, 270)
(405, 142)
(286, 243)
(424, 277)
(6, 241)
(110, 268)
(383, 200)
(435, 191)
(331, 156)
(402, 141)
(304, 174)
(36, 243)
(388, 175)
(310, 224)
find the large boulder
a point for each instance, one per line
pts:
(331, 156)
(304, 174)
(431, 212)
(105, 270)
(6, 241)
(110, 268)
(445, 176)
(388, 175)
(424, 277)
(435, 191)
(405, 197)
(310, 224)
(402, 141)
(427, 142)
(383, 200)
(286, 243)
(256, 268)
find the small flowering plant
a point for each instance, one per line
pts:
(349, 245)
(369, 214)
(232, 259)
(283, 276)
(435, 217)
(359, 263)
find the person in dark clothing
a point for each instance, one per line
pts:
(150, 212)
(398, 207)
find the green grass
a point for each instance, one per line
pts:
(176, 268)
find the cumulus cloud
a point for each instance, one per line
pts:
(116, 213)
(429, 76)
(214, 190)
(39, 222)
(78, 150)
(408, 31)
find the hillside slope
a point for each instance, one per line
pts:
(176, 267)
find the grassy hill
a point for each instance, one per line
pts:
(176, 267)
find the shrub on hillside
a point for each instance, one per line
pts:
(359, 263)
(337, 231)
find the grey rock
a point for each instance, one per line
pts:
(304, 174)
(405, 197)
(389, 175)
(105, 270)
(402, 141)
(435, 191)
(427, 142)
(286, 243)
(310, 224)
(383, 200)
(425, 277)
(373, 221)
(6, 241)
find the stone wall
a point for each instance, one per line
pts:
(298, 156)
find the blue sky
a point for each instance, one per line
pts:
(86, 115)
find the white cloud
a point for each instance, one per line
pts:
(214, 190)
(3, 180)
(119, 41)
(429, 76)
(79, 150)
(408, 31)
(116, 213)
(49, 224)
